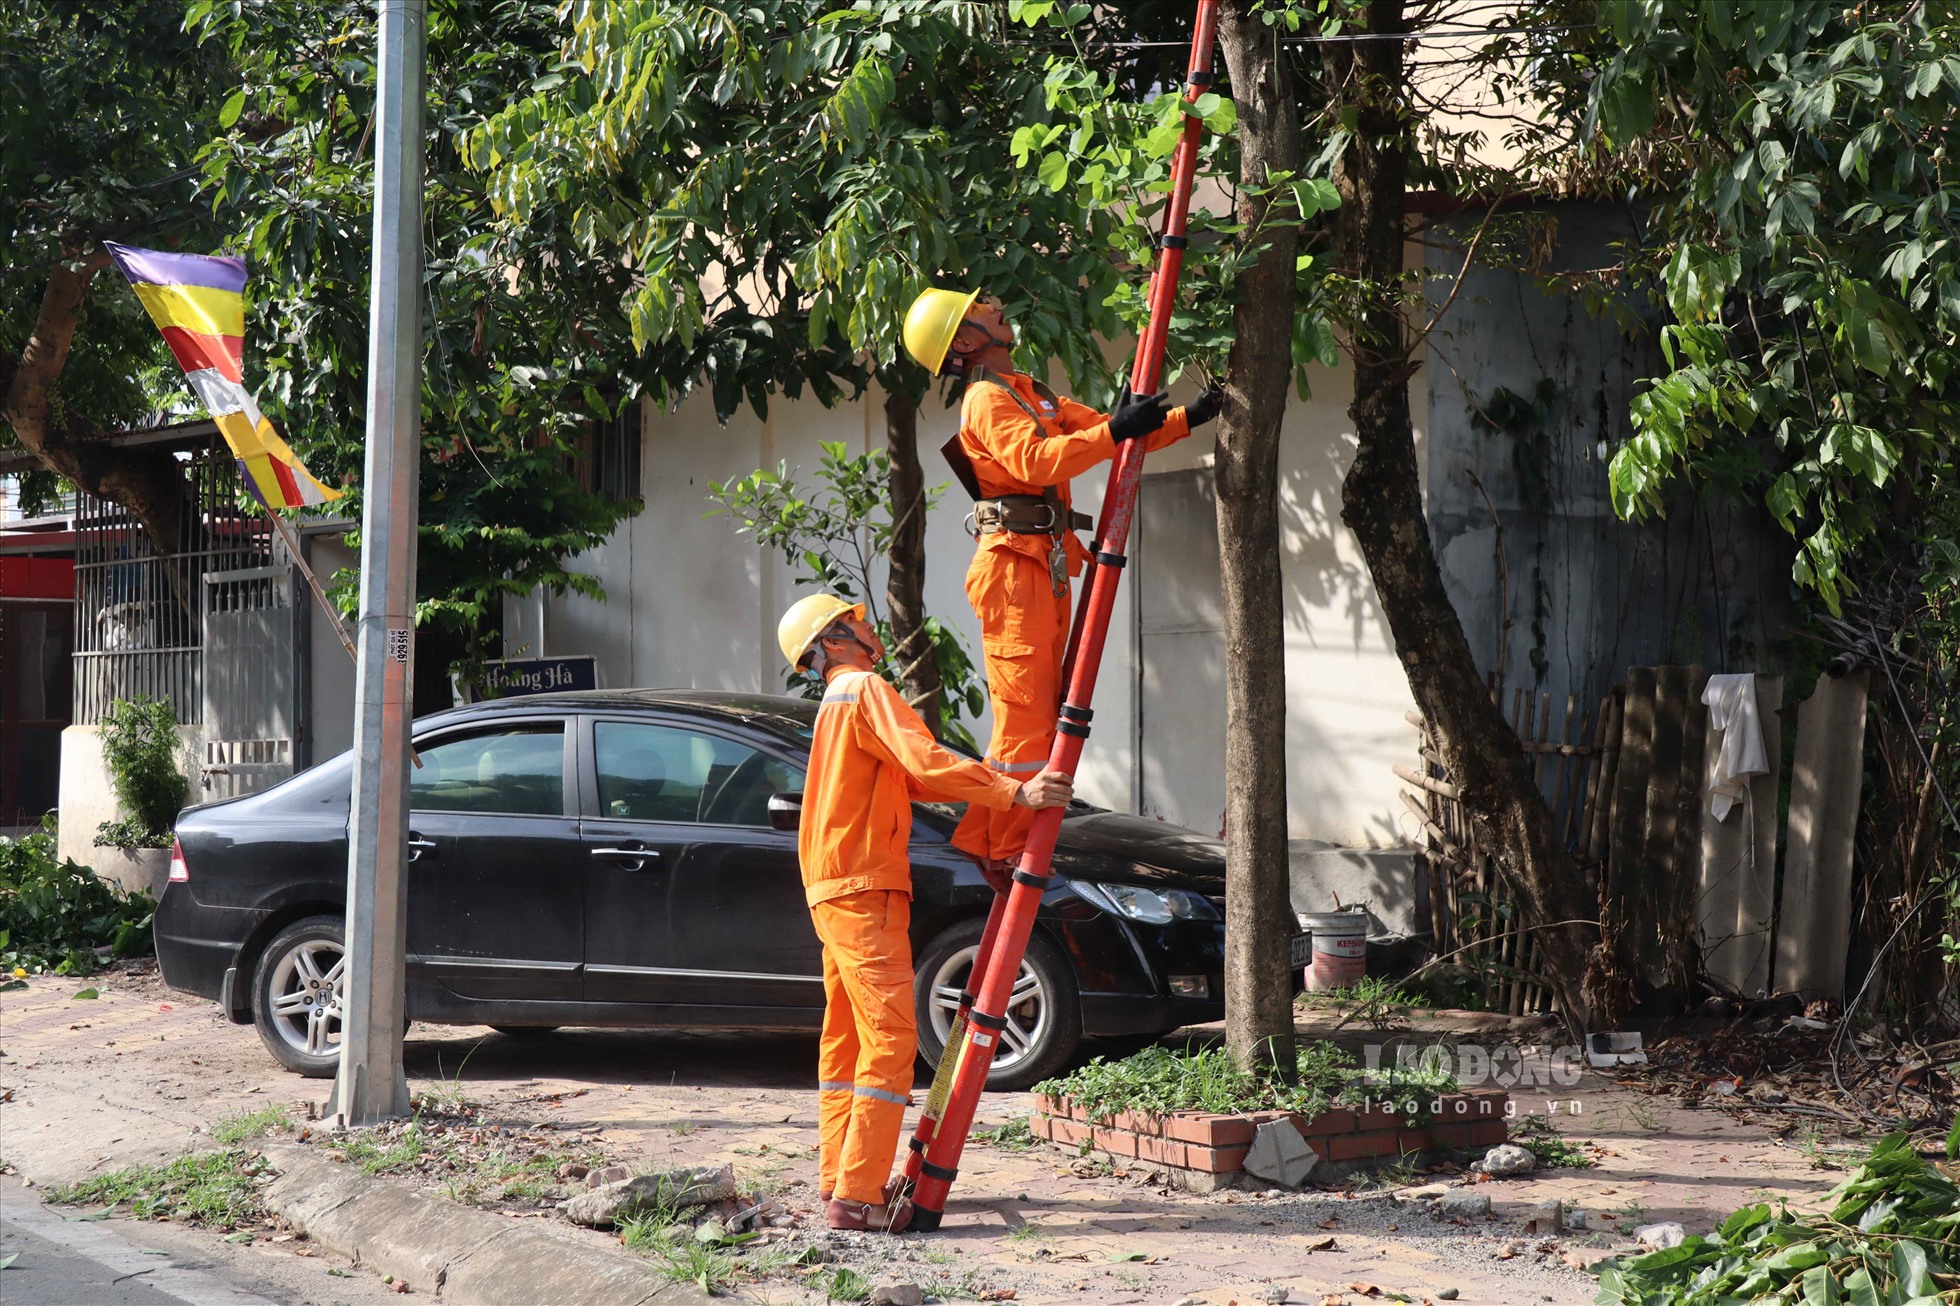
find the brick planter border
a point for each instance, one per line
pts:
(1204, 1152)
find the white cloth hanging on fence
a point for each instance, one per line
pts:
(1731, 704)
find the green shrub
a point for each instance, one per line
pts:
(54, 914)
(1157, 1081)
(140, 746)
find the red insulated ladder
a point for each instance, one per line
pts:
(933, 1161)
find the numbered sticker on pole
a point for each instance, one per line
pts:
(398, 643)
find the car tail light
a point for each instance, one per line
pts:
(180, 871)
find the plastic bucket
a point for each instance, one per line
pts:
(1340, 948)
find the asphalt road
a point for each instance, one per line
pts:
(61, 1259)
(72, 1262)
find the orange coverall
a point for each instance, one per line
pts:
(1023, 621)
(870, 758)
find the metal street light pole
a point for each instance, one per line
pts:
(372, 1086)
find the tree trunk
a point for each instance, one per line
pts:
(1259, 912)
(905, 579)
(147, 483)
(1381, 500)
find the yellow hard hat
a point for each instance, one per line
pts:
(808, 618)
(931, 323)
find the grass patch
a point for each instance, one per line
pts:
(684, 1260)
(213, 1189)
(244, 1126)
(1157, 1081)
(382, 1158)
(1552, 1148)
(844, 1284)
(1388, 1175)
(1011, 1136)
(1370, 999)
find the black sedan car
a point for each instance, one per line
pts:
(628, 859)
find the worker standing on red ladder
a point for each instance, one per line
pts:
(1018, 446)
(871, 757)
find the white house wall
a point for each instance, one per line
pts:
(690, 603)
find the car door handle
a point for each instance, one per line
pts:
(417, 845)
(636, 857)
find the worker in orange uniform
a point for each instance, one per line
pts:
(1019, 445)
(871, 757)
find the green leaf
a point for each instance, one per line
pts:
(1860, 1289)
(1909, 1264)
(88, 994)
(233, 107)
(1054, 170)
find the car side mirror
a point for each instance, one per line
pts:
(785, 811)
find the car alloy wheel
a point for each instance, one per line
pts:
(1029, 1011)
(308, 984)
(298, 992)
(1044, 1014)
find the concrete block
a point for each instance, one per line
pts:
(1279, 1154)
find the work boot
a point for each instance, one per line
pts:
(866, 1218)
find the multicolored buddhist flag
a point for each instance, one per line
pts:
(198, 302)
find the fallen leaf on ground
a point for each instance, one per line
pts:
(8, 1259)
(1328, 1223)
(1365, 1289)
(89, 993)
(1321, 1245)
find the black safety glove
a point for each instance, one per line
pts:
(1137, 415)
(1204, 407)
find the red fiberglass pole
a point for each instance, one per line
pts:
(935, 1170)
